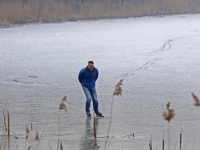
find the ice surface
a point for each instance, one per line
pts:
(158, 58)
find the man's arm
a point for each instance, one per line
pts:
(97, 75)
(80, 76)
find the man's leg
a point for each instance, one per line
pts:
(88, 100)
(94, 99)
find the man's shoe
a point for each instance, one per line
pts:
(99, 114)
(88, 115)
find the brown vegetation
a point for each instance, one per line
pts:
(117, 92)
(5, 135)
(25, 11)
(196, 99)
(168, 115)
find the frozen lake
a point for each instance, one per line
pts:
(158, 58)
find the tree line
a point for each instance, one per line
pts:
(24, 11)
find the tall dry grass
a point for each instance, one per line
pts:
(25, 11)
(95, 133)
(117, 92)
(168, 116)
(5, 137)
(196, 99)
(150, 144)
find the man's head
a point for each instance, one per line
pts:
(90, 65)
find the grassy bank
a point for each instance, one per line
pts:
(25, 11)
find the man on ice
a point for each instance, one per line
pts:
(87, 77)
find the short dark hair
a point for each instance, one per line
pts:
(90, 62)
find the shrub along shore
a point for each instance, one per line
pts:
(29, 11)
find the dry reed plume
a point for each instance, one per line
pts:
(118, 89)
(117, 92)
(37, 137)
(62, 105)
(196, 99)
(27, 135)
(64, 98)
(27, 130)
(168, 115)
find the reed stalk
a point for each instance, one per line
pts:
(8, 124)
(42, 133)
(31, 124)
(112, 137)
(27, 135)
(17, 147)
(5, 145)
(163, 141)
(168, 135)
(50, 146)
(175, 145)
(168, 115)
(62, 106)
(150, 144)
(2, 139)
(181, 136)
(61, 146)
(163, 144)
(4, 131)
(117, 92)
(4, 117)
(58, 130)
(109, 123)
(95, 133)
(193, 144)
(180, 140)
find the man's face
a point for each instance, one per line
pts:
(90, 66)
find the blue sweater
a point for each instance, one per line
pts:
(86, 79)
